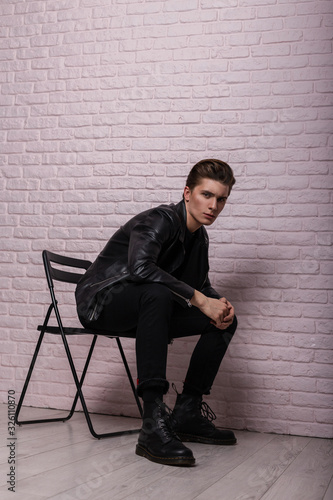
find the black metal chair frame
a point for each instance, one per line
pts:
(56, 274)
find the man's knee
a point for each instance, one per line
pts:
(232, 328)
(229, 332)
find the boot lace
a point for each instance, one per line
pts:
(168, 415)
(206, 411)
(168, 421)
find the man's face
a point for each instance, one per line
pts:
(204, 203)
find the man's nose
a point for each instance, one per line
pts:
(213, 204)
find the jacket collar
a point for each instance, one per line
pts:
(201, 233)
(181, 212)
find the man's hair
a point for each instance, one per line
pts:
(216, 170)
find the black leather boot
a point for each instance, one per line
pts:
(193, 422)
(158, 442)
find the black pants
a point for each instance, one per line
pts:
(152, 312)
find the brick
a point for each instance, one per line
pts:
(254, 267)
(288, 183)
(17, 88)
(319, 430)
(256, 64)
(326, 268)
(283, 310)
(41, 147)
(187, 54)
(295, 239)
(289, 89)
(323, 238)
(234, 144)
(313, 47)
(13, 147)
(249, 90)
(292, 413)
(321, 400)
(324, 417)
(324, 357)
(166, 131)
(282, 36)
(41, 122)
(266, 367)
(303, 22)
(303, 296)
(223, 28)
(311, 196)
(198, 16)
(219, 104)
(271, 102)
(307, 142)
(20, 208)
(268, 25)
(317, 311)
(182, 30)
(292, 383)
(161, 157)
(237, 14)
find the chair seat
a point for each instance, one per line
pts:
(84, 331)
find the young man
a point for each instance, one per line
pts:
(152, 276)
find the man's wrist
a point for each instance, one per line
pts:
(198, 299)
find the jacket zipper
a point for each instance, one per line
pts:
(184, 298)
(93, 312)
(111, 280)
(204, 281)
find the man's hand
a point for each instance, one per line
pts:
(227, 320)
(216, 309)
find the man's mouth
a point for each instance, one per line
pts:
(210, 216)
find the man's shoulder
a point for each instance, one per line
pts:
(173, 211)
(168, 218)
(157, 217)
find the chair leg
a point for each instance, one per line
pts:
(87, 415)
(83, 402)
(27, 380)
(83, 375)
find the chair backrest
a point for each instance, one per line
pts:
(53, 273)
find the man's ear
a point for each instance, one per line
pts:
(187, 193)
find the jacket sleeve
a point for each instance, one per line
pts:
(208, 290)
(148, 238)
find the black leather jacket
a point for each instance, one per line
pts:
(149, 248)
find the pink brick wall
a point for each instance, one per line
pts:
(105, 105)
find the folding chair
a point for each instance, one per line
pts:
(54, 273)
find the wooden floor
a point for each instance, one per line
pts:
(62, 461)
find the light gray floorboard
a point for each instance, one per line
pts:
(329, 491)
(257, 474)
(212, 463)
(308, 474)
(62, 461)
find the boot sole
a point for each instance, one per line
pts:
(200, 439)
(180, 461)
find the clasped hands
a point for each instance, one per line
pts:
(220, 311)
(226, 318)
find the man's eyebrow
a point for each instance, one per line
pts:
(206, 191)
